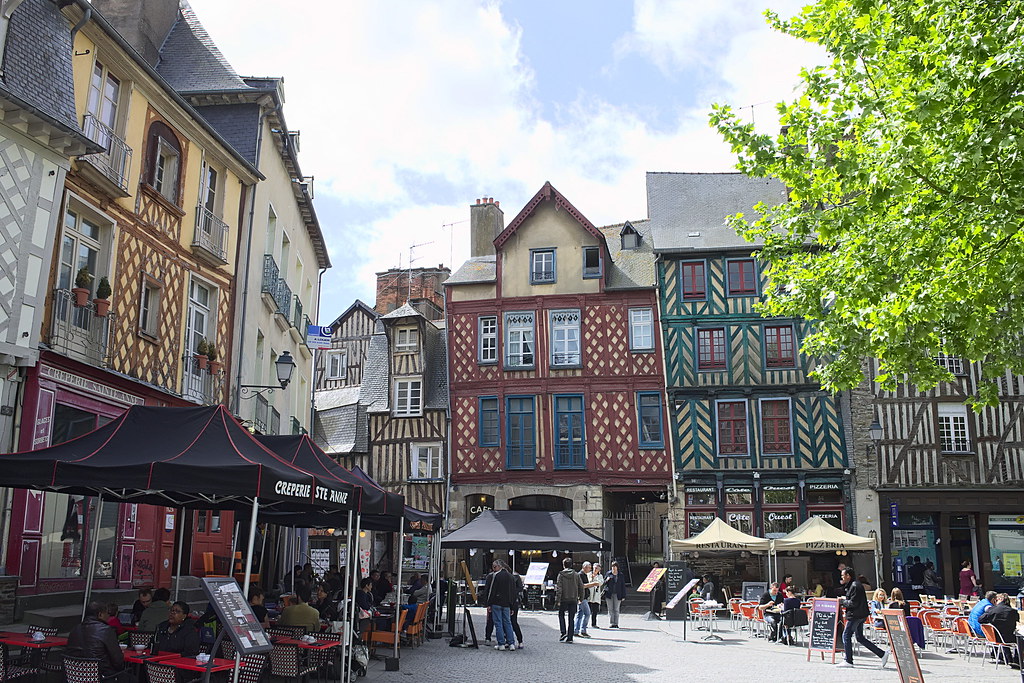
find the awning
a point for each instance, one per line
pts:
(818, 535)
(721, 536)
(524, 530)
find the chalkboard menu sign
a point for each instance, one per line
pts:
(678, 576)
(902, 646)
(236, 615)
(824, 622)
(753, 590)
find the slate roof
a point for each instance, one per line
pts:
(37, 71)
(479, 269)
(334, 398)
(687, 210)
(191, 62)
(630, 268)
(237, 124)
(342, 430)
(375, 373)
(376, 394)
(404, 311)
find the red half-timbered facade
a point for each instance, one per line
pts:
(556, 373)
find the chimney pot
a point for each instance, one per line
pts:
(497, 203)
(477, 200)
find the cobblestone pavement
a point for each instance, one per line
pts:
(654, 652)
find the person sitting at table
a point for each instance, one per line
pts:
(94, 639)
(896, 601)
(875, 604)
(419, 592)
(818, 590)
(864, 582)
(771, 598)
(144, 600)
(301, 613)
(157, 610)
(256, 598)
(1004, 618)
(790, 611)
(382, 587)
(787, 581)
(974, 618)
(325, 603)
(177, 634)
(708, 593)
(113, 621)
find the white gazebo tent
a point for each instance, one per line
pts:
(817, 535)
(721, 536)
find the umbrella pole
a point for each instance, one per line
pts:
(352, 562)
(263, 554)
(398, 585)
(295, 555)
(248, 570)
(181, 544)
(93, 549)
(437, 581)
(346, 638)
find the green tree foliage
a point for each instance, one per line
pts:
(905, 163)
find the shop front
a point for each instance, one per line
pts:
(50, 533)
(947, 528)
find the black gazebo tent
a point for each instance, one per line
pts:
(523, 530)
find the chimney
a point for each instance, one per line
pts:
(143, 23)
(486, 221)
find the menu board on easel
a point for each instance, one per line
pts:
(902, 646)
(235, 613)
(652, 580)
(824, 621)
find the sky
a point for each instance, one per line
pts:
(409, 110)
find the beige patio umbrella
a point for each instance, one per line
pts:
(721, 536)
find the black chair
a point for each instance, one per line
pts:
(83, 670)
(9, 670)
(792, 619)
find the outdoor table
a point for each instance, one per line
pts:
(708, 613)
(309, 647)
(36, 646)
(192, 664)
(137, 659)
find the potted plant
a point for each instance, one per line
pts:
(215, 365)
(102, 299)
(202, 353)
(81, 290)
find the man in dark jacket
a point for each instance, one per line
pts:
(94, 639)
(614, 593)
(568, 593)
(1004, 618)
(501, 588)
(856, 604)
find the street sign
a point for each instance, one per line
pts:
(894, 515)
(318, 337)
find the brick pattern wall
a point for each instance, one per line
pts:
(393, 289)
(8, 591)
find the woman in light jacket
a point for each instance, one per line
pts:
(594, 594)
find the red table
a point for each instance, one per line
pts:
(190, 663)
(25, 640)
(134, 657)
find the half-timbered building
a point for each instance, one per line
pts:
(945, 483)
(556, 373)
(757, 442)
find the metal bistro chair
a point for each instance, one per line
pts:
(287, 631)
(735, 616)
(965, 635)
(140, 638)
(287, 661)
(994, 645)
(84, 670)
(9, 670)
(161, 673)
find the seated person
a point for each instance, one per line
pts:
(325, 603)
(818, 590)
(256, 598)
(301, 613)
(772, 614)
(864, 582)
(1004, 618)
(144, 601)
(382, 587)
(419, 592)
(94, 639)
(178, 633)
(365, 609)
(982, 606)
(896, 601)
(792, 615)
(113, 621)
(875, 604)
(157, 611)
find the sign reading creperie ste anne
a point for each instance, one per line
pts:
(297, 490)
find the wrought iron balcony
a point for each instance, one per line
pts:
(116, 159)
(198, 385)
(211, 234)
(275, 422)
(283, 297)
(297, 427)
(261, 414)
(78, 332)
(297, 315)
(270, 275)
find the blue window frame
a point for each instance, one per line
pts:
(519, 347)
(489, 425)
(570, 445)
(649, 419)
(565, 338)
(521, 433)
(542, 267)
(592, 265)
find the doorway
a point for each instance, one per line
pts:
(963, 543)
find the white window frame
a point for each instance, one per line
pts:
(165, 170)
(566, 347)
(434, 462)
(520, 340)
(543, 275)
(954, 364)
(340, 357)
(408, 395)
(635, 329)
(150, 299)
(487, 344)
(407, 339)
(954, 431)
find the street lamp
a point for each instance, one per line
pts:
(875, 431)
(284, 365)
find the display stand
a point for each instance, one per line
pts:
(824, 623)
(237, 621)
(901, 646)
(680, 596)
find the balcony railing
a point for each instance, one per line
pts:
(283, 297)
(261, 414)
(78, 332)
(270, 275)
(306, 322)
(297, 427)
(198, 385)
(275, 422)
(297, 315)
(211, 233)
(115, 160)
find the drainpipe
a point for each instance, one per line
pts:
(236, 397)
(86, 16)
(316, 355)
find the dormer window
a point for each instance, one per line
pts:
(407, 340)
(630, 237)
(591, 262)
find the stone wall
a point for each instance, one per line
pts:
(8, 592)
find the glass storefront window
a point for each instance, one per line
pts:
(779, 495)
(1006, 551)
(744, 521)
(824, 494)
(739, 495)
(911, 547)
(778, 523)
(417, 552)
(698, 521)
(701, 495)
(833, 518)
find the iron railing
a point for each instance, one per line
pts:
(297, 426)
(306, 322)
(78, 332)
(211, 233)
(297, 315)
(283, 297)
(270, 273)
(114, 161)
(198, 384)
(262, 411)
(275, 421)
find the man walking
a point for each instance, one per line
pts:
(856, 604)
(500, 597)
(615, 593)
(583, 615)
(568, 592)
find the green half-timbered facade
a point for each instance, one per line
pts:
(756, 440)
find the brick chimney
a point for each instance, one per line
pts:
(486, 221)
(426, 294)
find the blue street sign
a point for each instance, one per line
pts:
(894, 514)
(318, 337)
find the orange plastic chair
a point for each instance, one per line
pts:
(994, 645)
(387, 637)
(415, 630)
(239, 570)
(208, 566)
